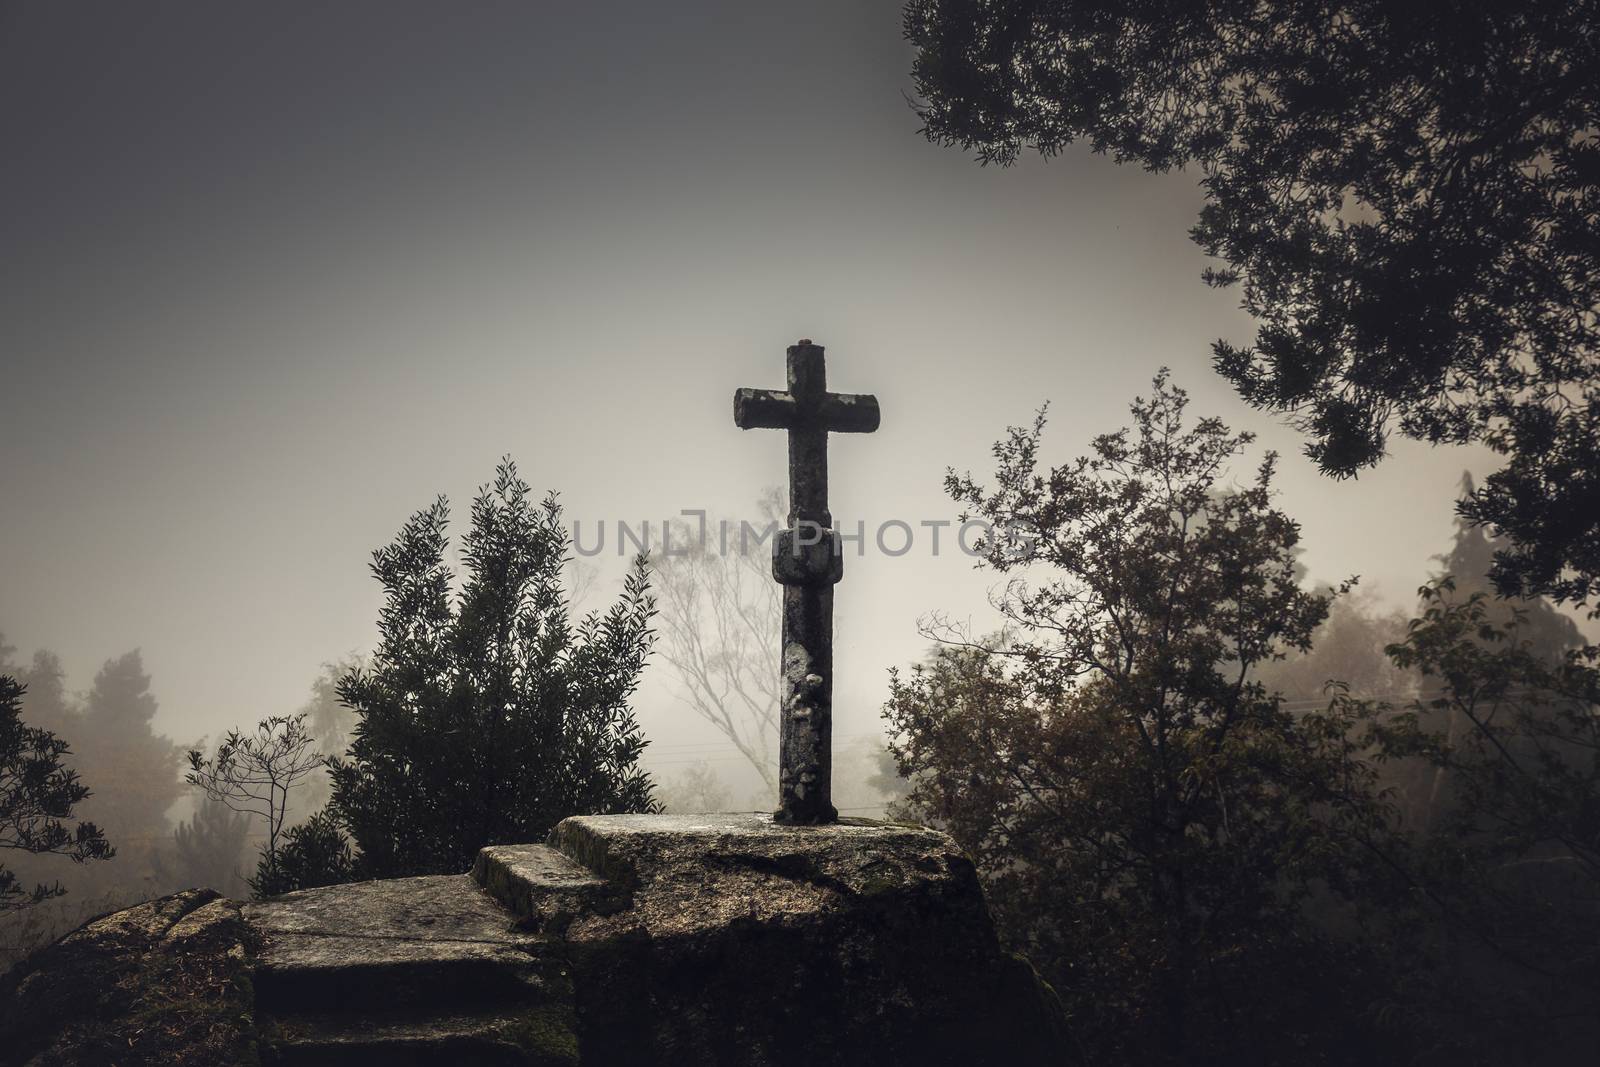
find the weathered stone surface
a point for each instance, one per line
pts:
(747, 942)
(544, 887)
(386, 943)
(638, 940)
(410, 970)
(165, 982)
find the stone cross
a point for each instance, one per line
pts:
(807, 559)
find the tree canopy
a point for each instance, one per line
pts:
(489, 715)
(1408, 193)
(1148, 818)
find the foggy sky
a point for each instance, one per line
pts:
(275, 275)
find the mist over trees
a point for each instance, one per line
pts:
(129, 768)
(1408, 196)
(211, 850)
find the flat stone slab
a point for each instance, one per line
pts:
(686, 873)
(384, 945)
(635, 849)
(432, 917)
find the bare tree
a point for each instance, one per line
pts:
(718, 621)
(253, 773)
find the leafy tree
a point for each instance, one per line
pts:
(315, 853)
(1409, 193)
(255, 774)
(489, 716)
(1147, 818)
(37, 798)
(1427, 787)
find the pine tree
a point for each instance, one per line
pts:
(488, 716)
(133, 768)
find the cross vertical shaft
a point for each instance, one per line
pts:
(807, 559)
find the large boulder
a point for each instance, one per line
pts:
(720, 939)
(165, 982)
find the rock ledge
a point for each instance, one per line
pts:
(716, 939)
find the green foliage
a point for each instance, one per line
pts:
(488, 717)
(1148, 820)
(1409, 193)
(37, 798)
(315, 853)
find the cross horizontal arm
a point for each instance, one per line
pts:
(763, 409)
(849, 412)
(773, 409)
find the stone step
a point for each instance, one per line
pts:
(438, 942)
(429, 970)
(491, 1038)
(542, 886)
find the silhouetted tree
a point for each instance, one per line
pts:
(1409, 193)
(37, 800)
(488, 716)
(256, 774)
(315, 853)
(328, 719)
(1470, 566)
(1148, 819)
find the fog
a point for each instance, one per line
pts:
(276, 276)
